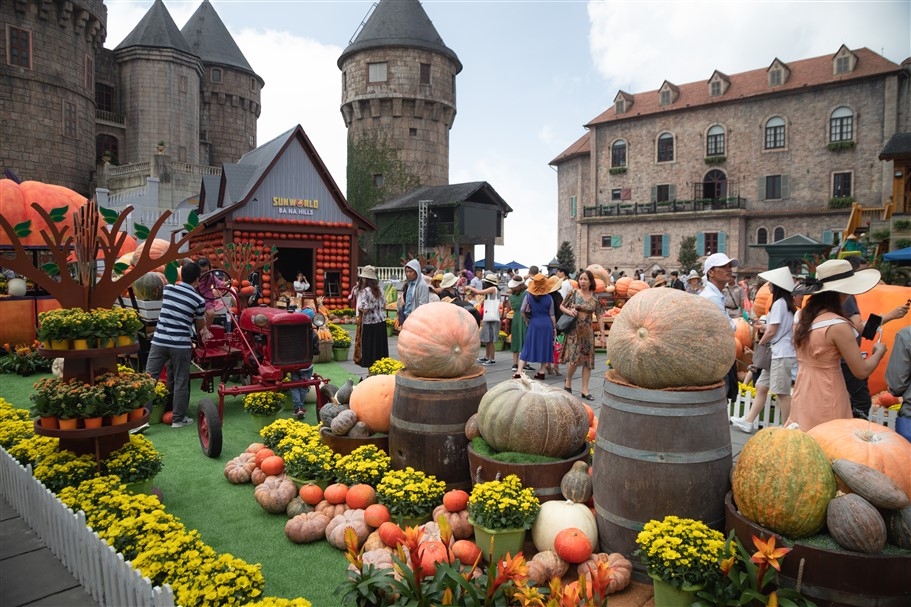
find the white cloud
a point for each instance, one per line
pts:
(638, 45)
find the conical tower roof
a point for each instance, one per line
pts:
(210, 41)
(399, 23)
(157, 30)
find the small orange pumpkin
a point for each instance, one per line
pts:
(336, 493)
(391, 534)
(360, 496)
(263, 454)
(311, 494)
(376, 514)
(455, 500)
(167, 417)
(466, 551)
(273, 466)
(430, 553)
(573, 545)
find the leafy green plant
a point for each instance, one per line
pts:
(23, 359)
(841, 202)
(838, 146)
(715, 160)
(617, 170)
(902, 243)
(900, 225)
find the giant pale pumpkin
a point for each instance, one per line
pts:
(598, 271)
(880, 300)
(866, 443)
(439, 339)
(150, 286)
(531, 417)
(16, 207)
(784, 482)
(666, 338)
(372, 400)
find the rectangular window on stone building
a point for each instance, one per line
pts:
(615, 194)
(655, 245)
(662, 193)
(773, 187)
(611, 242)
(572, 206)
(841, 185)
(425, 73)
(378, 180)
(216, 74)
(710, 243)
(19, 47)
(104, 97)
(88, 80)
(69, 119)
(376, 72)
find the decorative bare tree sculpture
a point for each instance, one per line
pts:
(91, 235)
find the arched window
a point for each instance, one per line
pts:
(762, 236)
(778, 234)
(618, 154)
(665, 147)
(715, 185)
(106, 144)
(841, 124)
(714, 141)
(774, 133)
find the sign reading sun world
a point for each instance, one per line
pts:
(294, 206)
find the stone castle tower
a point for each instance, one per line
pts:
(47, 88)
(65, 100)
(398, 103)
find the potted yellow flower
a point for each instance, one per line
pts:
(136, 463)
(501, 512)
(307, 458)
(367, 464)
(341, 342)
(681, 555)
(410, 495)
(264, 407)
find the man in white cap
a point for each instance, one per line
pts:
(719, 271)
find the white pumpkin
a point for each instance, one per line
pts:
(555, 516)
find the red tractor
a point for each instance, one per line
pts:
(262, 346)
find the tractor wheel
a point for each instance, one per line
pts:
(209, 427)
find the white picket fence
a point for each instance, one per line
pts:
(103, 573)
(771, 417)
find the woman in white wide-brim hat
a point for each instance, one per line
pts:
(778, 336)
(822, 337)
(371, 307)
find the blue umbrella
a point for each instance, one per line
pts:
(514, 265)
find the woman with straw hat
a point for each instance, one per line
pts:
(822, 337)
(538, 309)
(693, 283)
(371, 307)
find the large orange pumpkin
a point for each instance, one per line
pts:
(16, 207)
(866, 443)
(636, 286)
(743, 332)
(880, 300)
(622, 286)
(762, 303)
(371, 400)
(439, 339)
(666, 338)
(157, 248)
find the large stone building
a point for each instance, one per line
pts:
(66, 102)
(735, 161)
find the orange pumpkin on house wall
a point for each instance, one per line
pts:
(16, 206)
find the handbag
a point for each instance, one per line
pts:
(491, 310)
(566, 323)
(762, 357)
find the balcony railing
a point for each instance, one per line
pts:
(109, 117)
(620, 209)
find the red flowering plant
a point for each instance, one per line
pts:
(750, 579)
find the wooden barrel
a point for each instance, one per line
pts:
(543, 477)
(658, 452)
(427, 425)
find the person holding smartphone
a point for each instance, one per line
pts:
(858, 388)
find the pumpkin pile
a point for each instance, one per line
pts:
(666, 338)
(360, 410)
(850, 476)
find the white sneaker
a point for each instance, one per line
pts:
(742, 425)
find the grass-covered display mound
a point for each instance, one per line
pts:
(483, 448)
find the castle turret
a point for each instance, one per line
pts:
(230, 89)
(398, 103)
(159, 76)
(47, 105)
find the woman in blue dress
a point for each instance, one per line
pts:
(538, 310)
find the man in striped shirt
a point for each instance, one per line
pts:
(181, 307)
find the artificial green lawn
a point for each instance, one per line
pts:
(227, 516)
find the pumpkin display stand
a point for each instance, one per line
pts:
(427, 425)
(834, 577)
(343, 445)
(100, 442)
(543, 477)
(658, 452)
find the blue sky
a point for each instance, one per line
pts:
(534, 72)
